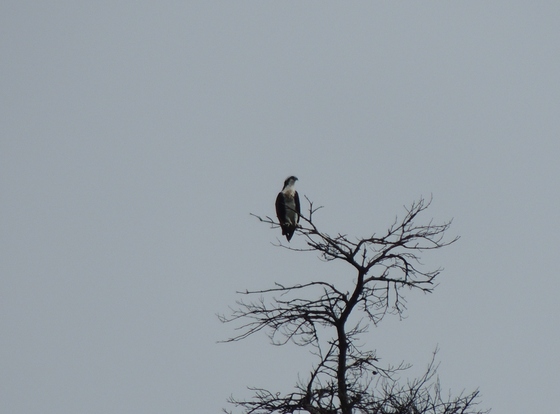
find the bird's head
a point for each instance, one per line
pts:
(290, 181)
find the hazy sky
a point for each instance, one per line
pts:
(136, 138)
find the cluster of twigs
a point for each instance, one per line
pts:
(347, 379)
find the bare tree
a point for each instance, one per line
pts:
(347, 379)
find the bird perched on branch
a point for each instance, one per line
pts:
(287, 207)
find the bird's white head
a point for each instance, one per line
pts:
(290, 181)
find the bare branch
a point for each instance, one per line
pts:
(348, 379)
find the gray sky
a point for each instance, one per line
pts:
(136, 138)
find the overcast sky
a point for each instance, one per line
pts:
(136, 138)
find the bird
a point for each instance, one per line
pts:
(287, 207)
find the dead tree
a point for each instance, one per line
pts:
(347, 379)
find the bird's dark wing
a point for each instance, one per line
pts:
(298, 210)
(280, 208)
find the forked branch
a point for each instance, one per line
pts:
(348, 379)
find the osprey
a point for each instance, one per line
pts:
(287, 207)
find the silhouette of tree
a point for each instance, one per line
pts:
(346, 378)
